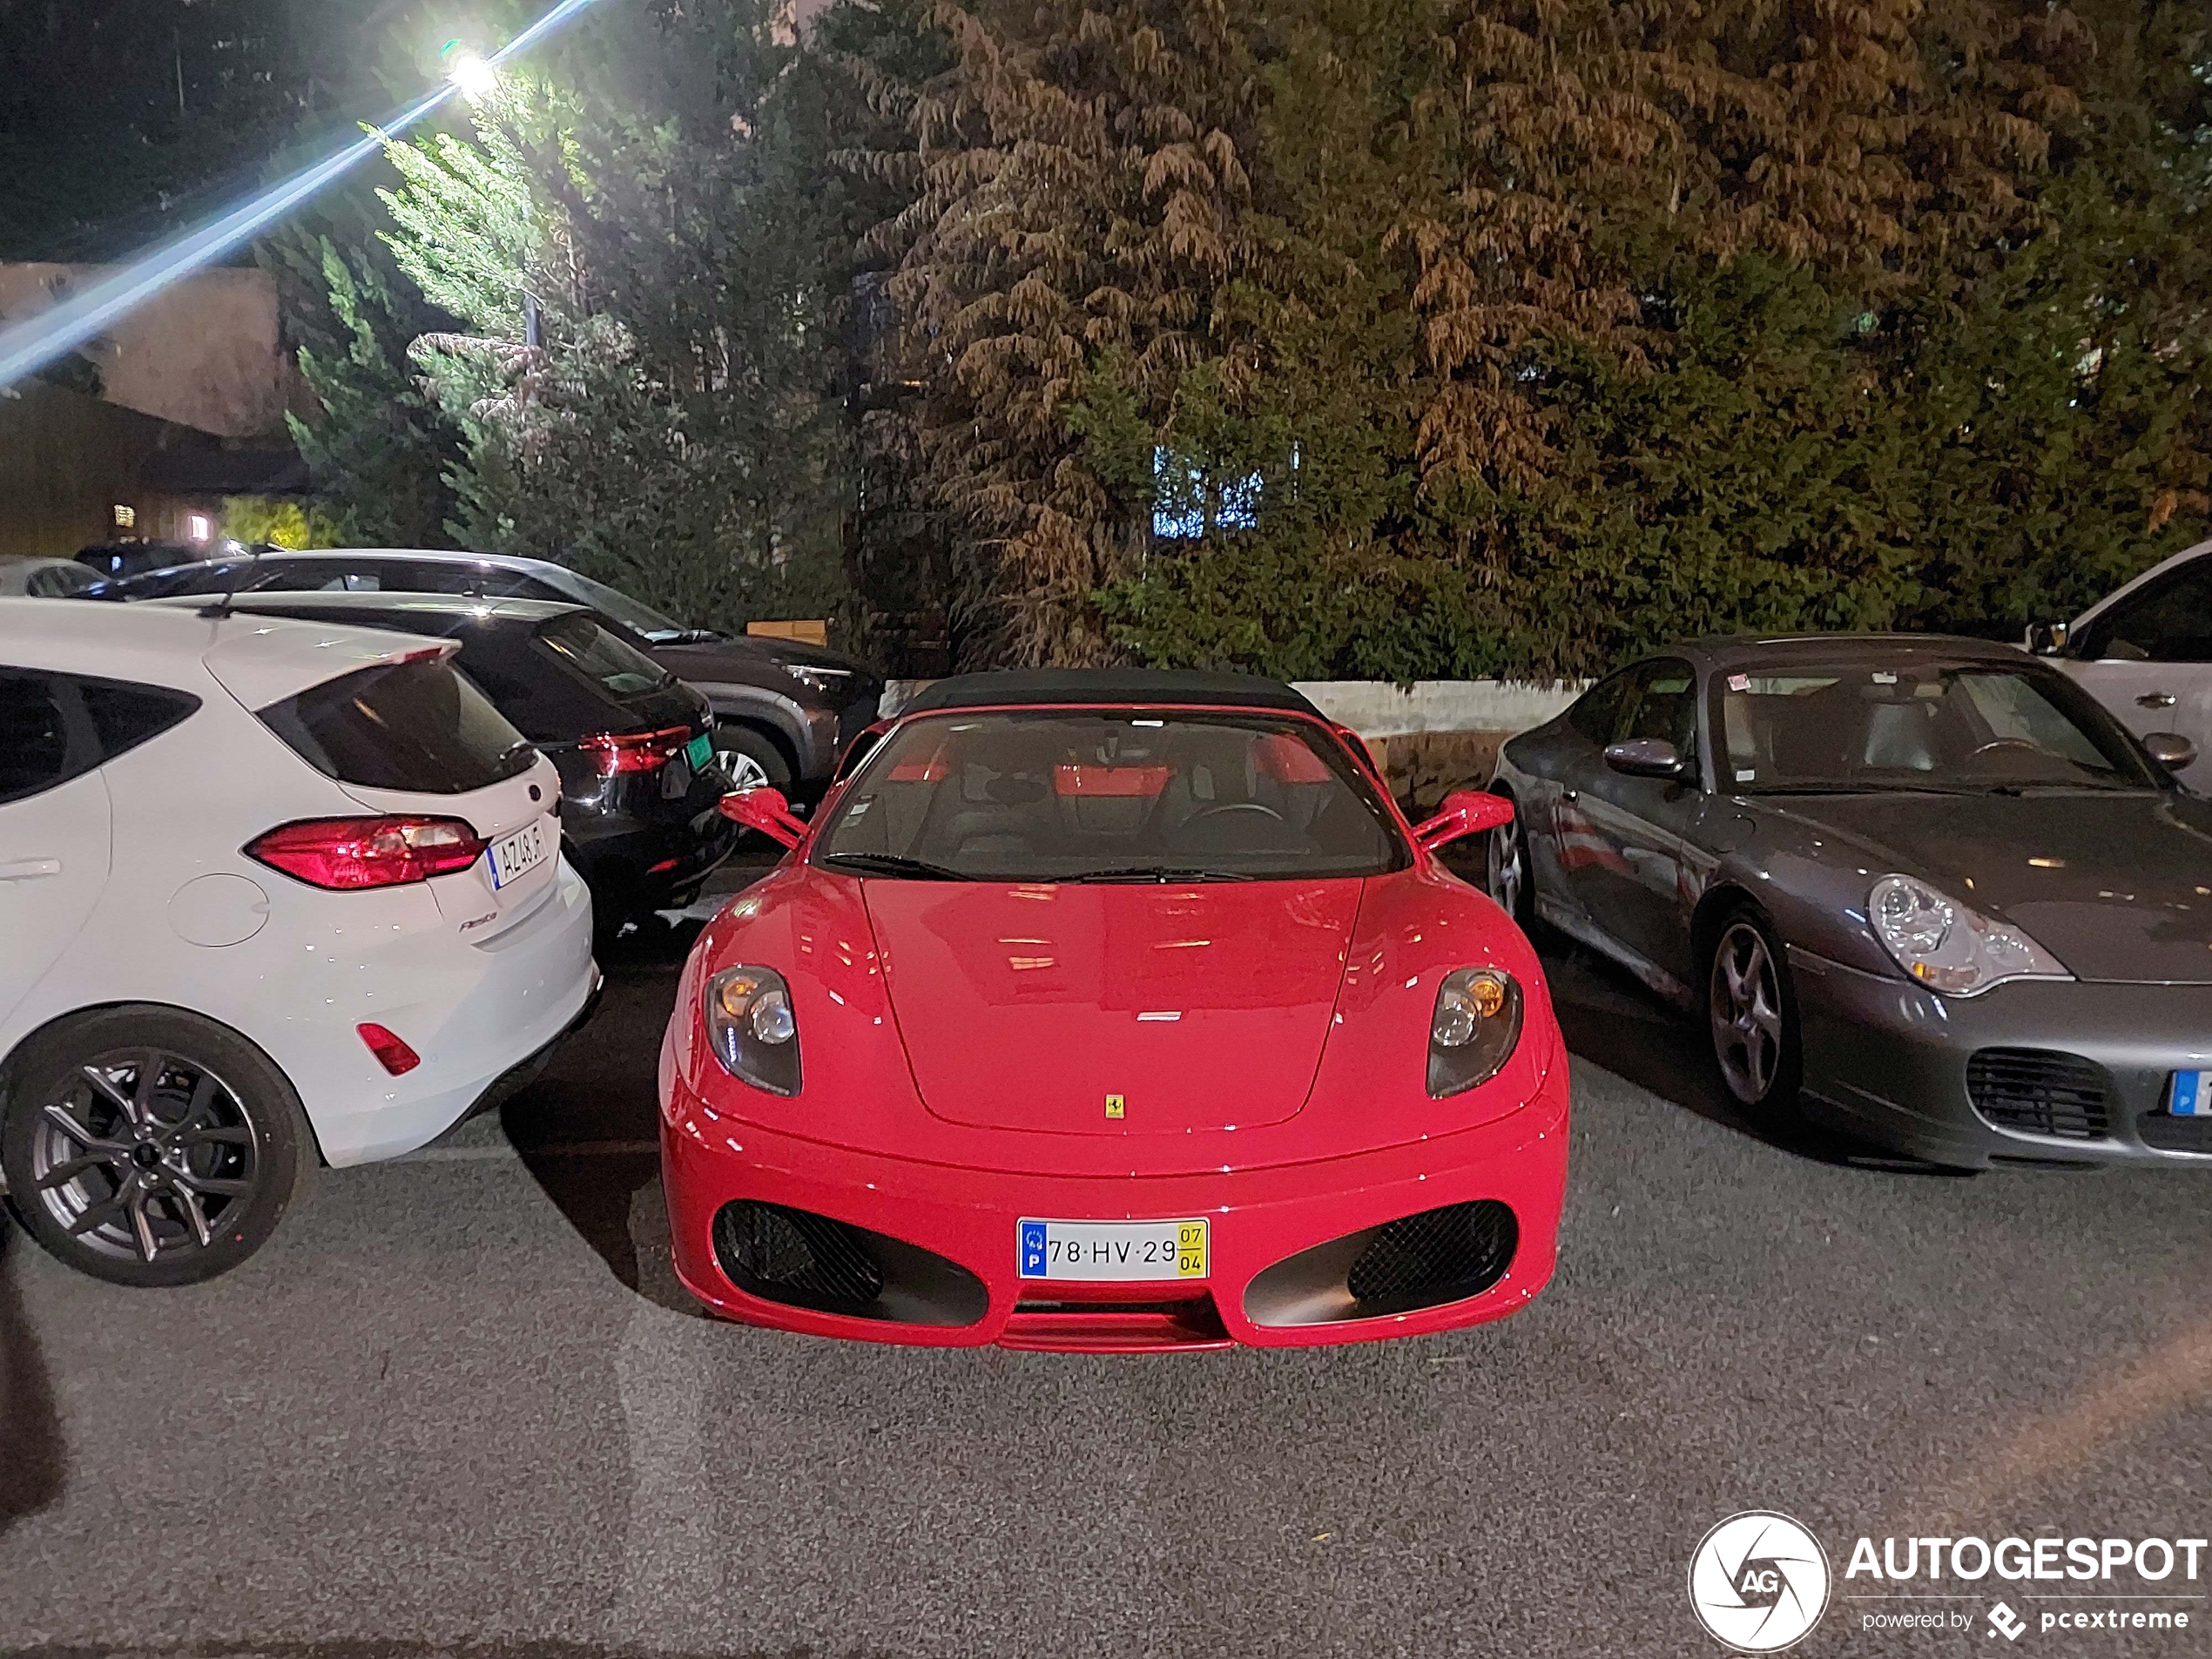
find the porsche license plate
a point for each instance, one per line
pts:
(1125, 1250)
(519, 854)
(2191, 1095)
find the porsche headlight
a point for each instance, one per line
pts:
(1474, 1030)
(1946, 945)
(753, 1028)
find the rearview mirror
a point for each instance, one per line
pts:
(1464, 812)
(765, 810)
(2170, 749)
(1644, 758)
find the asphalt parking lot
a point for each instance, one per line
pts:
(460, 1404)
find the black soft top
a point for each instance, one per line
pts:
(1138, 687)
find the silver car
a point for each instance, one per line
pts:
(2145, 652)
(1925, 886)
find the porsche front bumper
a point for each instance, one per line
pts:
(1896, 1063)
(1259, 1218)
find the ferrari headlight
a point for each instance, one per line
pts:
(1474, 1030)
(753, 1028)
(824, 682)
(1946, 945)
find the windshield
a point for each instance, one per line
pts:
(1133, 795)
(613, 602)
(1971, 728)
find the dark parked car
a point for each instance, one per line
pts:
(1929, 883)
(638, 785)
(783, 711)
(124, 559)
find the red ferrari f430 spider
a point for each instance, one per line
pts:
(1113, 1011)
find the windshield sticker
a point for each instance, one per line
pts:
(1746, 775)
(1739, 682)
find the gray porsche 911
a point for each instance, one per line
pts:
(1926, 884)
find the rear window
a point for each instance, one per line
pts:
(620, 669)
(415, 726)
(54, 727)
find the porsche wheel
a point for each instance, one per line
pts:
(1506, 870)
(150, 1147)
(1752, 1010)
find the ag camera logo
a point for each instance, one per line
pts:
(1758, 1582)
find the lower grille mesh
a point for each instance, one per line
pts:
(2039, 1092)
(795, 1256)
(1436, 1256)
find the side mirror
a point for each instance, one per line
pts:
(2047, 638)
(2170, 749)
(765, 810)
(1645, 758)
(1464, 812)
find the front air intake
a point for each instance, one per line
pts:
(796, 1256)
(1419, 1261)
(1437, 1256)
(804, 1260)
(2037, 1091)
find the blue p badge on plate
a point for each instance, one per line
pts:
(2190, 1097)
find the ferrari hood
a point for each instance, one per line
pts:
(1113, 1010)
(2118, 888)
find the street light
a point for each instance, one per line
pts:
(476, 76)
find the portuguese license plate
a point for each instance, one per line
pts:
(2190, 1098)
(699, 751)
(1125, 1250)
(518, 854)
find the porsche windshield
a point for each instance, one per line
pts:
(1974, 728)
(1089, 795)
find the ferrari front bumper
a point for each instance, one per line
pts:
(1258, 1219)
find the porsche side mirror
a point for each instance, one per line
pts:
(1645, 758)
(1464, 812)
(2047, 638)
(765, 810)
(2170, 749)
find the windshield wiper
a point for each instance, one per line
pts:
(1154, 872)
(893, 864)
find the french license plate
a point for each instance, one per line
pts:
(699, 751)
(519, 854)
(2191, 1096)
(1126, 1250)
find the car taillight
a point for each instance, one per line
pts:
(347, 854)
(619, 752)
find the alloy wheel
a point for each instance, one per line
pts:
(1745, 1004)
(144, 1154)
(1508, 870)
(742, 771)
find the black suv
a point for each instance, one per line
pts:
(783, 711)
(639, 788)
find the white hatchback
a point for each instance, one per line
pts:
(2145, 651)
(269, 889)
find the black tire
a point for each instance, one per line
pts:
(750, 756)
(1505, 848)
(1752, 1016)
(154, 1182)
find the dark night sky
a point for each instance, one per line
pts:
(121, 120)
